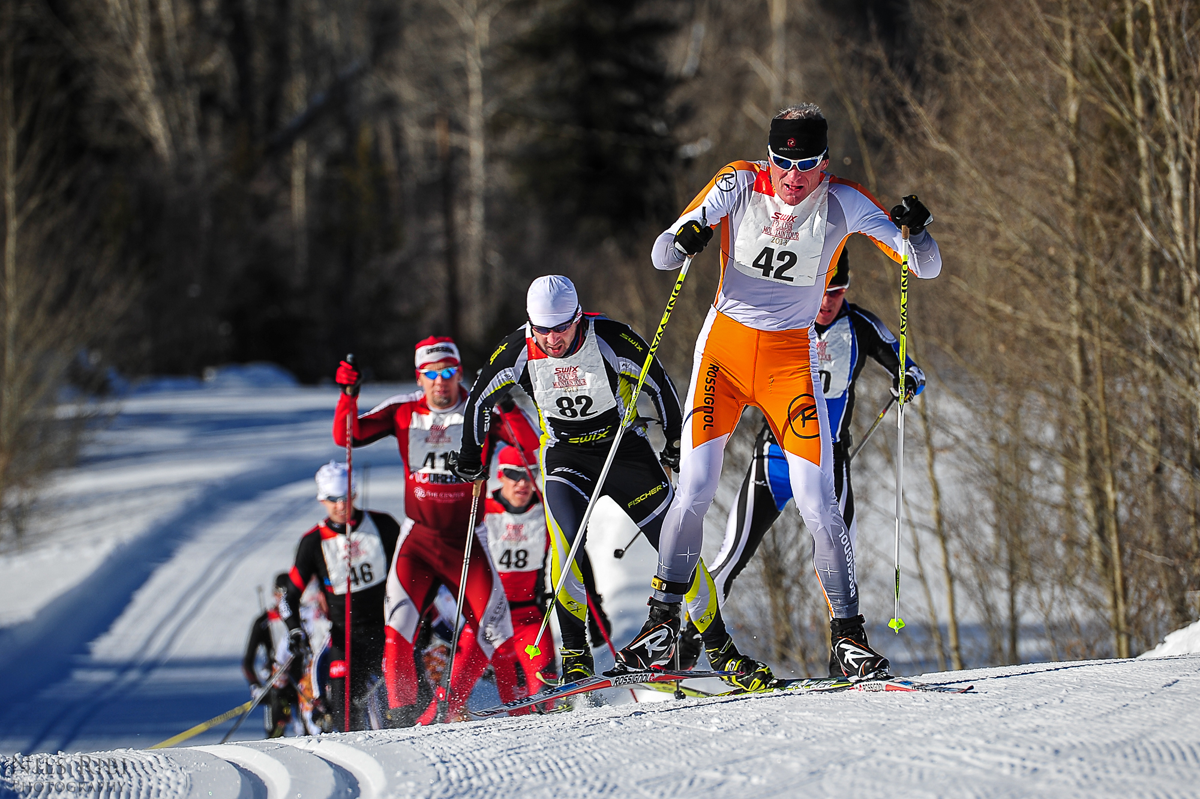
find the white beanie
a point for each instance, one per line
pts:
(551, 301)
(331, 481)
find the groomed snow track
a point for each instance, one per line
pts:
(1101, 728)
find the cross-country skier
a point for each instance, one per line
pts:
(518, 540)
(428, 425)
(322, 554)
(784, 222)
(269, 634)
(579, 369)
(845, 336)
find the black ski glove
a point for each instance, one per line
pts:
(298, 643)
(507, 404)
(914, 383)
(669, 457)
(466, 471)
(692, 237)
(911, 212)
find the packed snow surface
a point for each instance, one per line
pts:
(123, 618)
(1108, 728)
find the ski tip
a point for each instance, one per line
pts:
(896, 624)
(532, 651)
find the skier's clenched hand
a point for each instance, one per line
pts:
(913, 213)
(298, 643)
(349, 378)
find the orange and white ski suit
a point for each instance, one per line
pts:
(754, 349)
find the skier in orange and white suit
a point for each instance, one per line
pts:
(783, 223)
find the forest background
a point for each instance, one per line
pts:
(188, 183)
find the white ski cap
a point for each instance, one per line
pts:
(331, 481)
(551, 301)
(436, 349)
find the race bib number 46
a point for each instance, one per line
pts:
(368, 563)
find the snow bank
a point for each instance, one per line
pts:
(1180, 642)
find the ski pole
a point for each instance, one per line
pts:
(591, 604)
(630, 414)
(620, 553)
(253, 704)
(349, 548)
(871, 430)
(443, 707)
(897, 623)
(205, 725)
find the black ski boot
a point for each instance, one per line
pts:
(690, 646)
(577, 664)
(849, 654)
(753, 676)
(654, 646)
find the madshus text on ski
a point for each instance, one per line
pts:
(389, 622)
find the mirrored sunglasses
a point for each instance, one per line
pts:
(445, 374)
(545, 331)
(516, 475)
(334, 500)
(802, 164)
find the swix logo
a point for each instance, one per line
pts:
(568, 377)
(587, 438)
(438, 434)
(783, 219)
(823, 352)
(513, 532)
(496, 354)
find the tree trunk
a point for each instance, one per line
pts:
(939, 529)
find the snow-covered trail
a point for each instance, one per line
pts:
(1095, 729)
(127, 614)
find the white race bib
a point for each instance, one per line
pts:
(834, 351)
(574, 388)
(517, 541)
(431, 436)
(782, 243)
(368, 561)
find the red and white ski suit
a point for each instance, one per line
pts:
(518, 542)
(437, 507)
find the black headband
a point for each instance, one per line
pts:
(799, 138)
